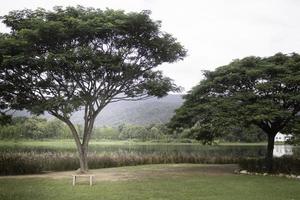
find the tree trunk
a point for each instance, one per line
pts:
(82, 147)
(83, 161)
(269, 156)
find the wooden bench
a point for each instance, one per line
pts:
(83, 175)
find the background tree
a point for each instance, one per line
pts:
(82, 58)
(33, 128)
(261, 91)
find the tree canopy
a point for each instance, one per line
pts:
(261, 91)
(63, 60)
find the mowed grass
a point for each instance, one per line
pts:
(184, 181)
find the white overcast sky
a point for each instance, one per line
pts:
(213, 31)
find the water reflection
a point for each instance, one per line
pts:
(282, 150)
(235, 151)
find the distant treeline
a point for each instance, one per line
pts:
(33, 128)
(37, 128)
(40, 128)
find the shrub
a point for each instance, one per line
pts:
(285, 165)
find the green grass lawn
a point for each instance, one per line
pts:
(155, 182)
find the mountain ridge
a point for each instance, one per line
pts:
(144, 112)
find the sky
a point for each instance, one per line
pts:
(214, 32)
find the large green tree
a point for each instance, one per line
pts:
(82, 58)
(264, 92)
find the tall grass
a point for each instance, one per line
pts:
(30, 157)
(32, 162)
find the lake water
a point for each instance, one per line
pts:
(221, 150)
(231, 151)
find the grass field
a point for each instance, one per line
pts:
(180, 181)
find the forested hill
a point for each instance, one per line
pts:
(132, 112)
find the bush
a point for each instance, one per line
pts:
(285, 165)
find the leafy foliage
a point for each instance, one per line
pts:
(260, 91)
(61, 60)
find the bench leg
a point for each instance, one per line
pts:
(91, 180)
(74, 180)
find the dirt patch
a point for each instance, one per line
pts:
(141, 172)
